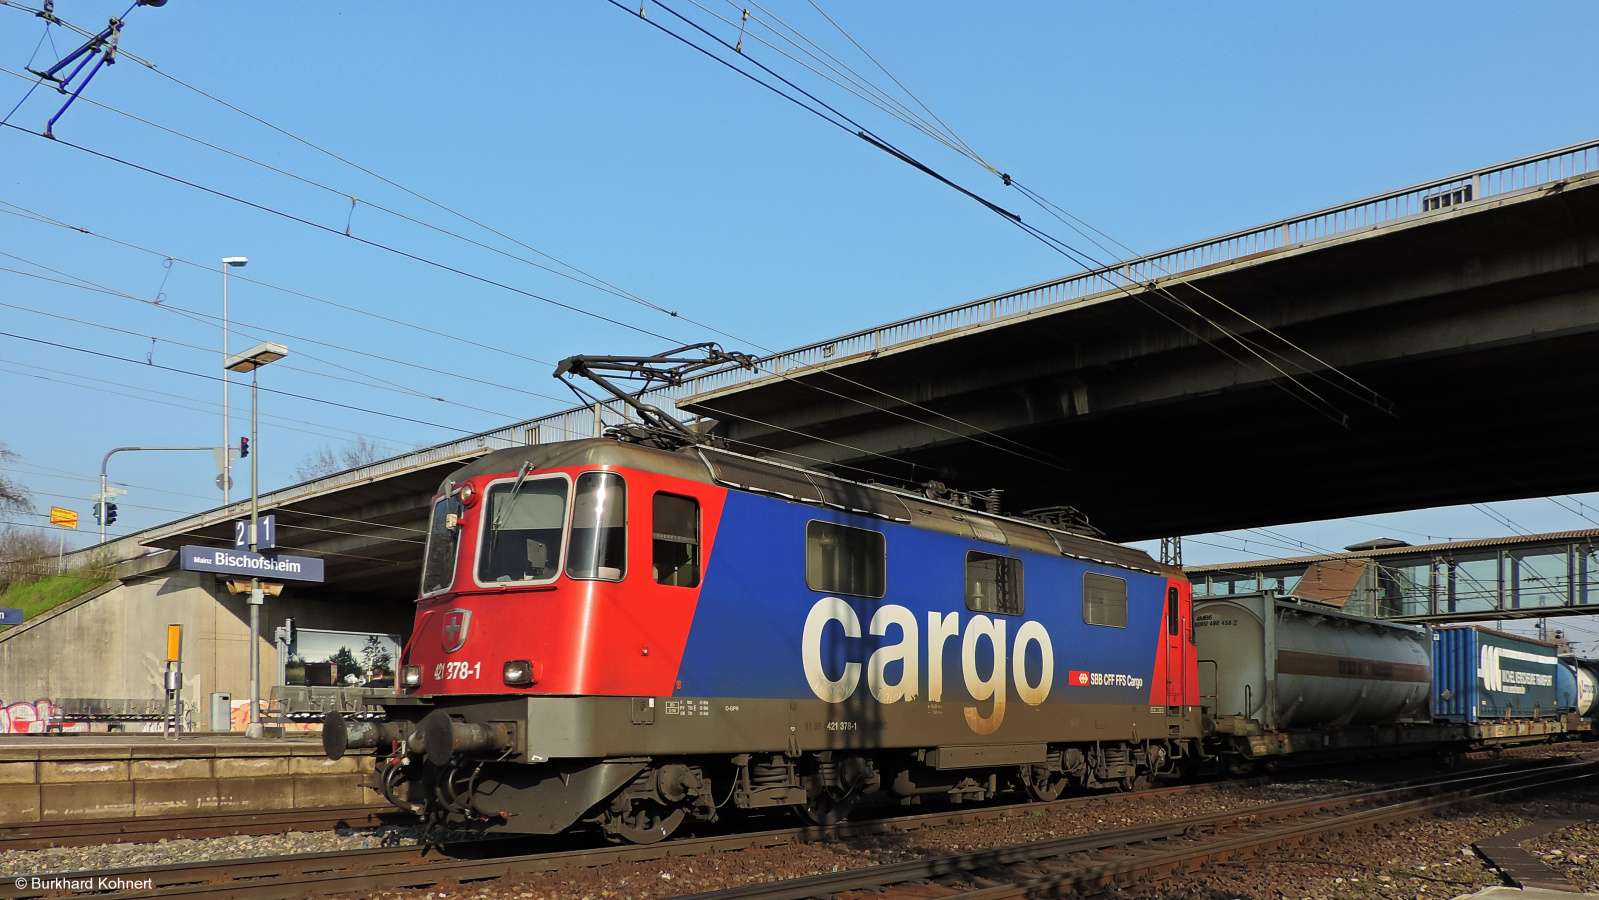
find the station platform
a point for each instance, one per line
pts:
(72, 777)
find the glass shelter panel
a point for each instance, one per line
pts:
(1539, 578)
(1474, 585)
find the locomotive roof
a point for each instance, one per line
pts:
(719, 467)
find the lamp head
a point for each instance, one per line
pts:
(255, 357)
(234, 261)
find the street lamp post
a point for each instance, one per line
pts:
(248, 361)
(230, 262)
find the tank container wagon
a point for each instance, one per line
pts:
(1281, 676)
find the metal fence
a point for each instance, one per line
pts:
(27, 570)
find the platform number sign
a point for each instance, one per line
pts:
(265, 540)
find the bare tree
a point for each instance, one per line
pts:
(13, 496)
(325, 460)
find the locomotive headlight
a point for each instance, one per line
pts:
(411, 676)
(468, 494)
(518, 672)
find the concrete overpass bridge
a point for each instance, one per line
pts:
(1470, 304)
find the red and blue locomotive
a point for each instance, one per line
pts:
(633, 637)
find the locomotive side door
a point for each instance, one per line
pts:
(1177, 650)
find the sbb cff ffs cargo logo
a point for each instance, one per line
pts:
(456, 622)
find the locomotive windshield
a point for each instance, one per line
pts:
(444, 531)
(522, 528)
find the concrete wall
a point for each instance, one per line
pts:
(112, 643)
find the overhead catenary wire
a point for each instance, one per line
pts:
(970, 427)
(415, 257)
(45, 220)
(951, 139)
(390, 358)
(277, 391)
(388, 386)
(583, 279)
(206, 406)
(861, 132)
(842, 121)
(288, 215)
(143, 487)
(939, 414)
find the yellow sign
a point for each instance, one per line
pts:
(65, 517)
(174, 643)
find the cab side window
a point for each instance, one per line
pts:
(599, 528)
(993, 583)
(844, 560)
(1104, 600)
(676, 528)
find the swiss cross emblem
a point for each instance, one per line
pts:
(1079, 679)
(455, 625)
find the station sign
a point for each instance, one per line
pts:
(243, 562)
(10, 616)
(266, 538)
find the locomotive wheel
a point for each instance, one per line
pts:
(644, 822)
(1044, 785)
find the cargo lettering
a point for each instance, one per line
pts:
(907, 651)
(1490, 668)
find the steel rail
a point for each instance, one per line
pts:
(330, 873)
(1231, 835)
(346, 867)
(138, 829)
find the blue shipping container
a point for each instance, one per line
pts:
(1481, 675)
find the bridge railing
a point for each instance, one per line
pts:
(1429, 198)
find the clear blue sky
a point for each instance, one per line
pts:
(581, 131)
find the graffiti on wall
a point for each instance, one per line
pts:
(28, 718)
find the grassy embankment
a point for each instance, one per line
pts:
(39, 597)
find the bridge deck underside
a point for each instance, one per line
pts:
(1480, 328)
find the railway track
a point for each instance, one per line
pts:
(340, 871)
(142, 829)
(1024, 869)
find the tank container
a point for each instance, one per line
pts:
(1305, 665)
